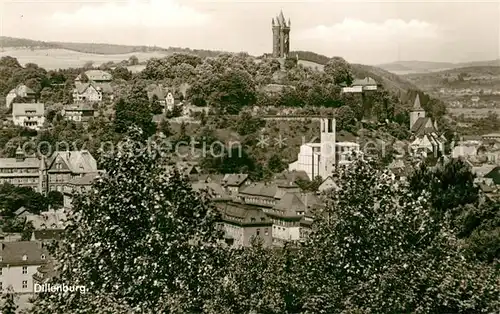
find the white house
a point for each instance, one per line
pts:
(29, 115)
(19, 261)
(87, 92)
(22, 91)
(319, 159)
(361, 85)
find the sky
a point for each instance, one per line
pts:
(369, 32)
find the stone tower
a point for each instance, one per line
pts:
(281, 36)
(416, 112)
(328, 140)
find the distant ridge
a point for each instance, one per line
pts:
(430, 66)
(392, 81)
(97, 48)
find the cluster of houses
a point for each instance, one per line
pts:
(24, 263)
(90, 89)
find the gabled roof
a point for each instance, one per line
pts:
(367, 81)
(494, 175)
(22, 91)
(21, 210)
(76, 161)
(30, 162)
(97, 75)
(292, 176)
(13, 252)
(241, 215)
(19, 109)
(423, 126)
(234, 179)
(82, 87)
(155, 89)
(416, 104)
(214, 189)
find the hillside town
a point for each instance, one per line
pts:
(303, 138)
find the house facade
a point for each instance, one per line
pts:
(319, 159)
(28, 115)
(77, 185)
(361, 85)
(78, 113)
(95, 89)
(21, 91)
(23, 171)
(242, 224)
(425, 137)
(19, 261)
(87, 92)
(63, 166)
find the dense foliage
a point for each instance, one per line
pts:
(143, 242)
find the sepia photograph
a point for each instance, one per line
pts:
(249, 157)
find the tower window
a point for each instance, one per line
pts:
(330, 125)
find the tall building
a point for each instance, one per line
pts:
(320, 159)
(281, 36)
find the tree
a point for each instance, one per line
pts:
(375, 247)
(276, 164)
(156, 107)
(55, 199)
(134, 110)
(232, 91)
(167, 264)
(121, 72)
(133, 60)
(165, 128)
(9, 302)
(88, 65)
(451, 185)
(9, 62)
(339, 70)
(345, 118)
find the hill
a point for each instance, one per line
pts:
(412, 67)
(472, 77)
(96, 48)
(392, 82)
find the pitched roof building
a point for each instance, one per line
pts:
(19, 262)
(28, 115)
(21, 91)
(426, 138)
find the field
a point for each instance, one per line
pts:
(61, 58)
(311, 65)
(473, 112)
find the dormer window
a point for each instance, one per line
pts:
(25, 257)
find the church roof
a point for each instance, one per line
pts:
(416, 104)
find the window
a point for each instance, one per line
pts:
(1, 271)
(43, 256)
(1, 285)
(25, 284)
(252, 219)
(258, 231)
(25, 270)
(25, 257)
(266, 231)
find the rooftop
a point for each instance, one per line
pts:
(30, 109)
(22, 253)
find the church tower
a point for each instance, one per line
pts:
(281, 36)
(328, 147)
(416, 112)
